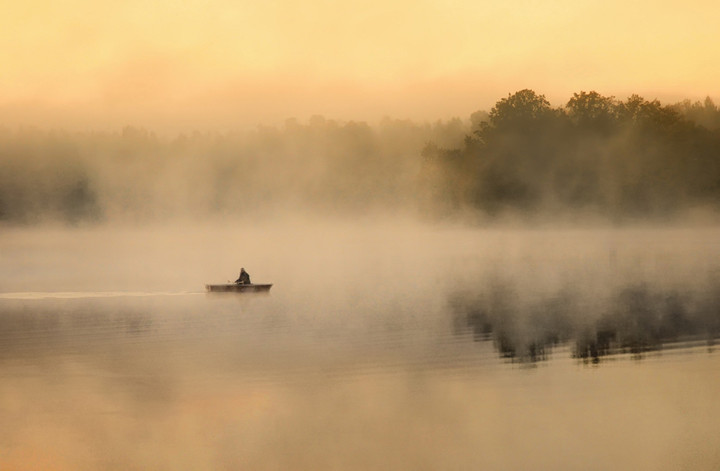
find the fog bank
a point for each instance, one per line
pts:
(597, 160)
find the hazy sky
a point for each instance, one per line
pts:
(223, 64)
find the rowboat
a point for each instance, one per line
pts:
(238, 288)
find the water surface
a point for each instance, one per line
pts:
(368, 353)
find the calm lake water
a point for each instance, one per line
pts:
(388, 347)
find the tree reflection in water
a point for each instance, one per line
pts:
(631, 319)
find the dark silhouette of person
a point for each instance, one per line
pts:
(244, 278)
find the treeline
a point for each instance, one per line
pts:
(595, 155)
(320, 166)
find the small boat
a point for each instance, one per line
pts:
(238, 288)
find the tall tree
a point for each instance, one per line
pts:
(520, 111)
(592, 111)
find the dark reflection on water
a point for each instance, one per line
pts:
(633, 318)
(263, 338)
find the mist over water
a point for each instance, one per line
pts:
(536, 287)
(385, 345)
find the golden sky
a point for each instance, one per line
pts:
(215, 64)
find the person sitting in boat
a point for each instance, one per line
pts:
(244, 278)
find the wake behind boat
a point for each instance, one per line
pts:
(238, 288)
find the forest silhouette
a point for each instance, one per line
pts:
(596, 156)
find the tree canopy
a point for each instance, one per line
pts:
(615, 159)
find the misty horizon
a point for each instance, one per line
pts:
(352, 101)
(595, 159)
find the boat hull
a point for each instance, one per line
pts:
(237, 288)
